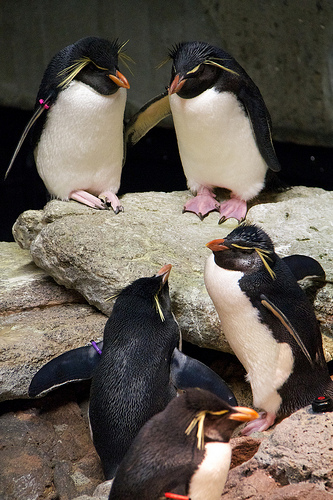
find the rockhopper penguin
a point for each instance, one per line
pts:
(222, 124)
(184, 449)
(77, 128)
(269, 323)
(138, 368)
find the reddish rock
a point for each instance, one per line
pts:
(47, 453)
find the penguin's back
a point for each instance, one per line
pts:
(129, 386)
(216, 143)
(81, 144)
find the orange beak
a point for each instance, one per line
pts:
(243, 414)
(176, 85)
(120, 80)
(216, 245)
(164, 271)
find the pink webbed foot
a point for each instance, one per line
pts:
(87, 199)
(203, 203)
(110, 199)
(260, 424)
(233, 208)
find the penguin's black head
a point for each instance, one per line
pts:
(212, 418)
(148, 295)
(93, 61)
(196, 67)
(247, 248)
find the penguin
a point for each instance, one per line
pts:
(182, 452)
(136, 370)
(222, 125)
(77, 129)
(269, 322)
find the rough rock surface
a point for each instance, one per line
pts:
(294, 461)
(46, 450)
(39, 319)
(96, 252)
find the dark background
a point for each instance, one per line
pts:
(152, 165)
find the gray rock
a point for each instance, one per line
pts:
(300, 448)
(294, 461)
(97, 252)
(39, 319)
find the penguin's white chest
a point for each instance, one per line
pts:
(209, 479)
(267, 362)
(216, 143)
(81, 146)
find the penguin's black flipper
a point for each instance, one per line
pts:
(303, 267)
(146, 118)
(261, 124)
(44, 105)
(74, 365)
(286, 323)
(188, 372)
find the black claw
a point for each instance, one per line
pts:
(118, 209)
(223, 219)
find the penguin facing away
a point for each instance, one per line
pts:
(269, 323)
(222, 125)
(133, 379)
(183, 449)
(77, 127)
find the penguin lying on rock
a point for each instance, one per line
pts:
(77, 127)
(135, 372)
(268, 321)
(183, 449)
(222, 124)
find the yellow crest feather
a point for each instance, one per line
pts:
(158, 308)
(263, 254)
(199, 420)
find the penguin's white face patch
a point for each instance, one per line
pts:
(210, 477)
(216, 143)
(268, 363)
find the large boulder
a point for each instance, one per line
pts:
(97, 252)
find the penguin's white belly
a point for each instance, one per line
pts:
(81, 146)
(216, 143)
(209, 479)
(267, 362)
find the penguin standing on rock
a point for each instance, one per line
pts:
(183, 450)
(222, 124)
(269, 323)
(77, 128)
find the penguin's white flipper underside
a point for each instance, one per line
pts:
(286, 323)
(146, 118)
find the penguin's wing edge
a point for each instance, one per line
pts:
(286, 323)
(71, 366)
(188, 372)
(146, 118)
(44, 105)
(261, 126)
